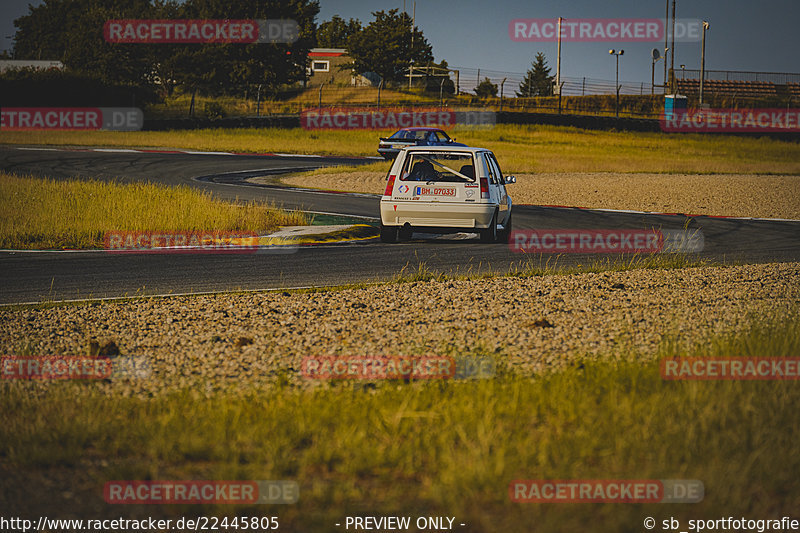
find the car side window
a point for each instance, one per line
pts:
(493, 159)
(496, 168)
(492, 171)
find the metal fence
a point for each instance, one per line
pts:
(778, 78)
(468, 78)
(637, 99)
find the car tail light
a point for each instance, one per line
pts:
(484, 187)
(389, 186)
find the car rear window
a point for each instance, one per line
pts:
(420, 135)
(438, 167)
(402, 135)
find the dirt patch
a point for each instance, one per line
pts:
(531, 324)
(738, 195)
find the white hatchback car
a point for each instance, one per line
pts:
(446, 190)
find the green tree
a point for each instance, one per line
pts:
(387, 46)
(223, 68)
(71, 31)
(336, 33)
(538, 81)
(486, 88)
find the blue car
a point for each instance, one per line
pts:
(388, 147)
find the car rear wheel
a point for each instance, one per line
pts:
(506, 233)
(490, 234)
(388, 233)
(405, 233)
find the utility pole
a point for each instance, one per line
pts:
(666, 45)
(672, 52)
(411, 59)
(706, 26)
(558, 59)
(617, 53)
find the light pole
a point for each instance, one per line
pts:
(617, 53)
(558, 60)
(672, 53)
(706, 26)
(656, 57)
(666, 45)
(411, 62)
(501, 93)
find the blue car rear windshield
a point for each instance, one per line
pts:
(421, 135)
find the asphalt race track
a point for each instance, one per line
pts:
(49, 276)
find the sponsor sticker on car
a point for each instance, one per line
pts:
(435, 191)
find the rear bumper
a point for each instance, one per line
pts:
(386, 150)
(437, 215)
(388, 153)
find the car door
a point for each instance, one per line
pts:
(498, 183)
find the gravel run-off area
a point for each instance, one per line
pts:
(739, 195)
(236, 341)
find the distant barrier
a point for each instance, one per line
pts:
(505, 117)
(589, 122)
(268, 121)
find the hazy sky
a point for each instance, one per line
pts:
(745, 34)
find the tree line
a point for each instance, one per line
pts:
(71, 31)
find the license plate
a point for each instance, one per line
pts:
(435, 191)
